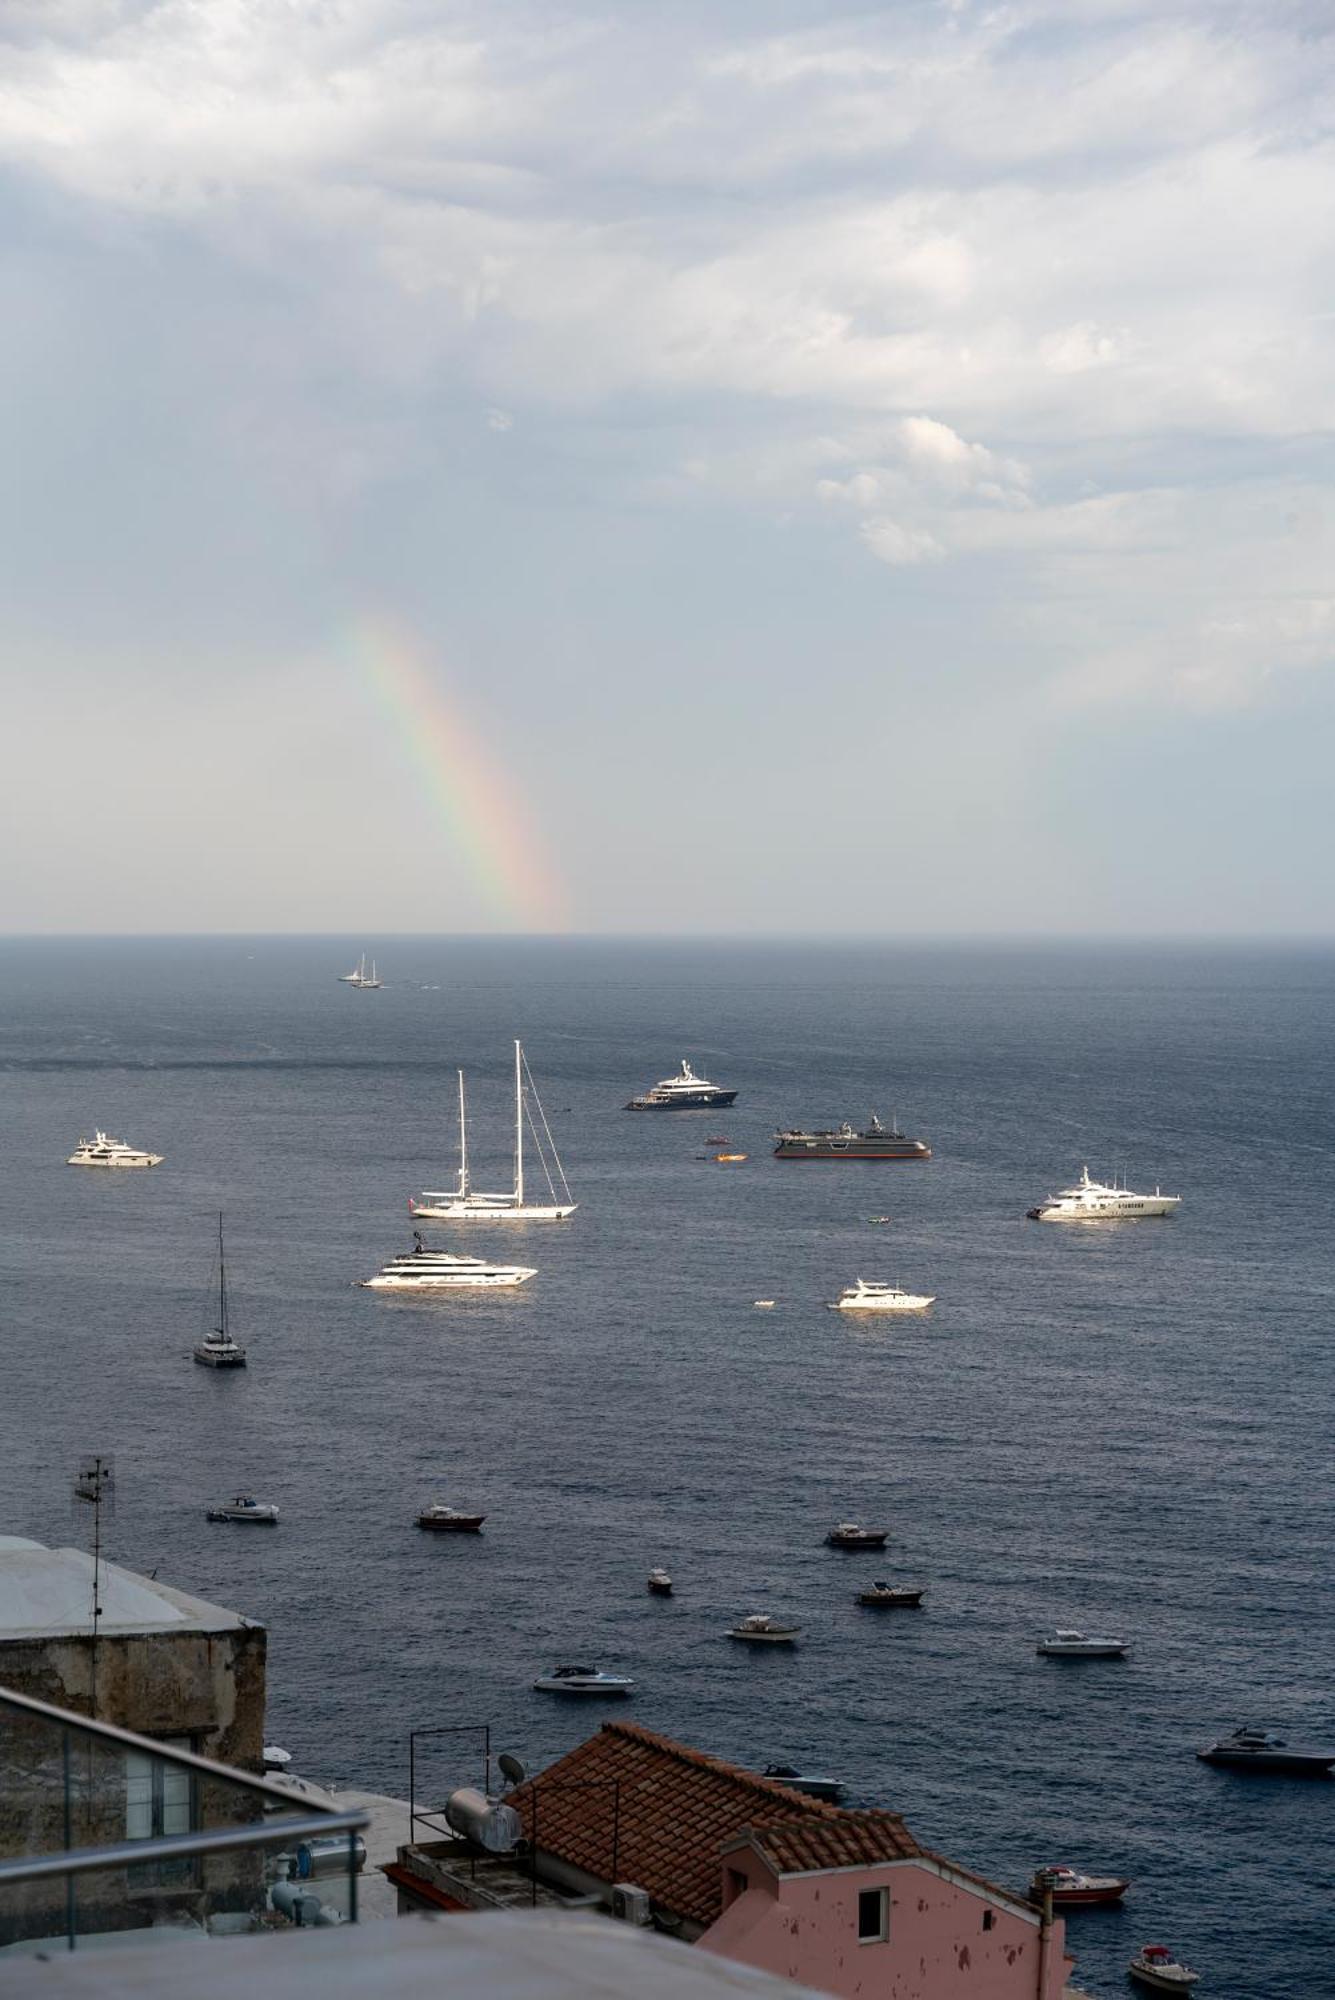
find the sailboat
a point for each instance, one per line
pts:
(218, 1349)
(469, 1204)
(359, 976)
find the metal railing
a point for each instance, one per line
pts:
(46, 1788)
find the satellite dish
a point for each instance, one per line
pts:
(511, 1768)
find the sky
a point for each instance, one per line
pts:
(731, 468)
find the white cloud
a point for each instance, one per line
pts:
(898, 545)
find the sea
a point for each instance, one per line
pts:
(1126, 1426)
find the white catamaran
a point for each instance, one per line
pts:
(469, 1204)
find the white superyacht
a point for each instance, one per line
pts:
(100, 1151)
(1097, 1201)
(423, 1270)
(465, 1203)
(869, 1296)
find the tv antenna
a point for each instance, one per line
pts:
(95, 1487)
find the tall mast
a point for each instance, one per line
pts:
(463, 1142)
(222, 1283)
(519, 1133)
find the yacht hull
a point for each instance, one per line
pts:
(459, 1211)
(684, 1100)
(490, 1282)
(207, 1360)
(1132, 1211)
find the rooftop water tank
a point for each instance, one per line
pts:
(498, 1828)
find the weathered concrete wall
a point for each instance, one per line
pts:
(209, 1686)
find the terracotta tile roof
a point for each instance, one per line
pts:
(856, 1840)
(670, 1810)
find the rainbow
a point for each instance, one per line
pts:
(484, 819)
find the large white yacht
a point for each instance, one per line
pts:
(100, 1151)
(684, 1092)
(423, 1270)
(869, 1296)
(465, 1203)
(359, 976)
(1097, 1201)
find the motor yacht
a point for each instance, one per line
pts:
(423, 1270)
(798, 1781)
(764, 1305)
(1098, 1201)
(870, 1296)
(218, 1349)
(1154, 1965)
(101, 1151)
(759, 1629)
(852, 1535)
(244, 1508)
(844, 1142)
(1066, 1644)
(890, 1597)
(449, 1520)
(465, 1203)
(1260, 1750)
(582, 1680)
(683, 1092)
(1070, 1890)
(660, 1583)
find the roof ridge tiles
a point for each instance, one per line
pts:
(810, 1808)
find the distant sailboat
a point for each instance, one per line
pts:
(218, 1349)
(468, 1204)
(359, 976)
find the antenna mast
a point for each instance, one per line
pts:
(95, 1484)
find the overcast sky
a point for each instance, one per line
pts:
(830, 469)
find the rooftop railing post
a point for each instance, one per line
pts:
(69, 1834)
(352, 1875)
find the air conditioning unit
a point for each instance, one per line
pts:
(632, 1905)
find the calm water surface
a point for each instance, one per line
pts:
(1126, 1426)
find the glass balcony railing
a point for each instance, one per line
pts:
(104, 1833)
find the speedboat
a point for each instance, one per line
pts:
(582, 1680)
(423, 1270)
(101, 1151)
(890, 1597)
(465, 1203)
(244, 1508)
(759, 1629)
(851, 1535)
(660, 1583)
(218, 1349)
(1154, 1965)
(727, 1159)
(449, 1520)
(797, 1781)
(869, 1296)
(683, 1092)
(1259, 1750)
(1072, 1891)
(763, 1305)
(1098, 1201)
(1065, 1644)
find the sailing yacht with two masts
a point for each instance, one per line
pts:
(359, 976)
(465, 1203)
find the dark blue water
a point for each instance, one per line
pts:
(1128, 1426)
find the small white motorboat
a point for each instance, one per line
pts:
(1065, 1644)
(759, 1629)
(582, 1680)
(1154, 1965)
(660, 1583)
(449, 1520)
(870, 1297)
(798, 1781)
(763, 1305)
(245, 1508)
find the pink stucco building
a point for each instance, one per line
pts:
(846, 1902)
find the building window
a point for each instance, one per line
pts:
(159, 1797)
(738, 1883)
(989, 1918)
(873, 1915)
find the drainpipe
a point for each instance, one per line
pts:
(1045, 1944)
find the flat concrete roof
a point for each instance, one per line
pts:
(48, 1594)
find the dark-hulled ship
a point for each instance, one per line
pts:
(685, 1092)
(876, 1142)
